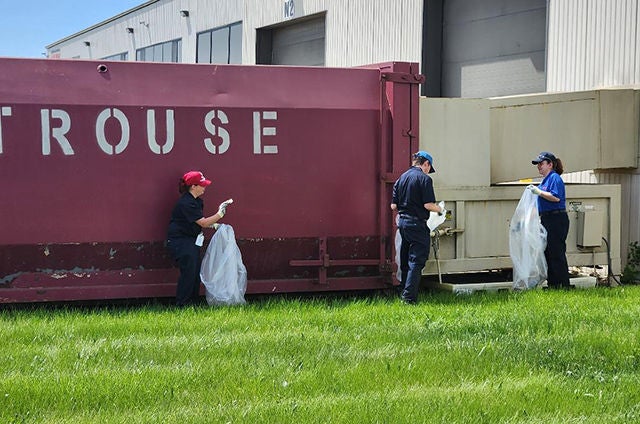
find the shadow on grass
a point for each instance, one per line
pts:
(428, 295)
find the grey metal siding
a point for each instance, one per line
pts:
(299, 44)
(593, 44)
(358, 32)
(596, 44)
(493, 47)
(630, 204)
(155, 22)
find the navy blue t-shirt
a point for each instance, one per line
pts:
(413, 189)
(184, 216)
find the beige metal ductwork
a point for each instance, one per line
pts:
(479, 144)
(589, 130)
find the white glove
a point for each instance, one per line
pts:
(535, 190)
(215, 226)
(437, 218)
(222, 209)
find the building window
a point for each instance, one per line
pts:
(171, 51)
(221, 45)
(120, 56)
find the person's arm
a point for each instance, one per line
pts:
(433, 207)
(394, 197)
(546, 195)
(209, 221)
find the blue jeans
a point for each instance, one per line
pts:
(413, 255)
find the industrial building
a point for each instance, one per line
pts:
(468, 49)
(506, 55)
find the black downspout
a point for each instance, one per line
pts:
(432, 26)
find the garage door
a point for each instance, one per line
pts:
(493, 47)
(300, 43)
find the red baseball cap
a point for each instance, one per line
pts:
(195, 178)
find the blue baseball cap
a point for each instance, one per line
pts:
(544, 156)
(428, 157)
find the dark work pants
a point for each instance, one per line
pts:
(414, 252)
(557, 226)
(187, 255)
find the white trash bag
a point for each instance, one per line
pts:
(435, 219)
(222, 272)
(527, 242)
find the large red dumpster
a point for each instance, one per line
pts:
(91, 153)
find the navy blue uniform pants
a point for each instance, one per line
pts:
(557, 226)
(187, 255)
(414, 252)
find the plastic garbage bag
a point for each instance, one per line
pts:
(222, 272)
(527, 241)
(435, 219)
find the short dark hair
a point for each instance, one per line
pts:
(419, 160)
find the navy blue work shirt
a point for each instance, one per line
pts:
(413, 189)
(184, 216)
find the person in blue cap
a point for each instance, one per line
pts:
(413, 199)
(553, 215)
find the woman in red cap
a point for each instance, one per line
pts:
(185, 235)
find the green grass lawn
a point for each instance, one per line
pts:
(532, 357)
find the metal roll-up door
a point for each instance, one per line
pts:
(299, 44)
(493, 47)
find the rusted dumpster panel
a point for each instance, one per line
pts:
(91, 153)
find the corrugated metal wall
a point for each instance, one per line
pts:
(358, 32)
(596, 44)
(592, 44)
(630, 201)
(156, 22)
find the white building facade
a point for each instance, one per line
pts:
(299, 32)
(466, 48)
(477, 48)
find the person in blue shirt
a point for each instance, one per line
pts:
(413, 198)
(553, 214)
(185, 238)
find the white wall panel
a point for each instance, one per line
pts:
(596, 44)
(156, 22)
(581, 177)
(592, 44)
